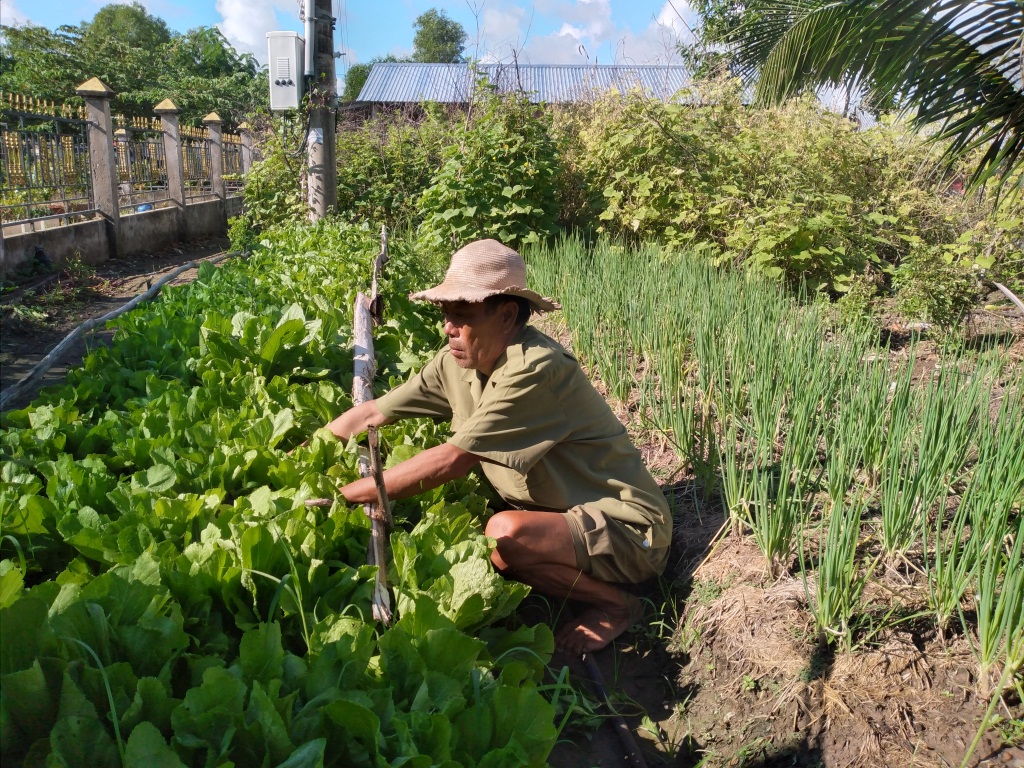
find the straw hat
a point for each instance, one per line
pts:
(481, 269)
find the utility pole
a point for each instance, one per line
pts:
(322, 163)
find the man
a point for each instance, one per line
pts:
(585, 513)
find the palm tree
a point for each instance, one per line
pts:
(954, 64)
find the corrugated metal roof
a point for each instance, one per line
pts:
(400, 83)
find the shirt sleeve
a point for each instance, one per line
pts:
(518, 420)
(422, 395)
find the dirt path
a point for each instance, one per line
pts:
(38, 312)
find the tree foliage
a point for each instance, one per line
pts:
(139, 58)
(127, 24)
(951, 63)
(438, 38)
(709, 54)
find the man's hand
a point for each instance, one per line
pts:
(427, 469)
(357, 419)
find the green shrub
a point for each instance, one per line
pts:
(579, 193)
(855, 308)
(934, 288)
(272, 193)
(499, 178)
(386, 163)
(797, 192)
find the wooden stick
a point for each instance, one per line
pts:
(382, 511)
(362, 390)
(716, 540)
(16, 390)
(380, 261)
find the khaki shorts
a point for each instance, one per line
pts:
(611, 550)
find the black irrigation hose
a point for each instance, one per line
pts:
(21, 387)
(622, 729)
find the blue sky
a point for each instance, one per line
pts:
(537, 32)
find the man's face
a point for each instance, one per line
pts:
(477, 335)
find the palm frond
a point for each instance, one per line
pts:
(952, 63)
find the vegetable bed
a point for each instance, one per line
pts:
(167, 599)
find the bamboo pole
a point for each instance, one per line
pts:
(16, 390)
(365, 369)
(369, 459)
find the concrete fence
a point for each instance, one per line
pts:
(148, 184)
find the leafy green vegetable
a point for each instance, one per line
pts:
(188, 608)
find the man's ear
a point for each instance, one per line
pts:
(508, 314)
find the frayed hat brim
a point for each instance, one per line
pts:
(446, 292)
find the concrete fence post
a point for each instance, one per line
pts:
(103, 158)
(213, 127)
(168, 112)
(246, 134)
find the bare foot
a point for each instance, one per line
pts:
(597, 627)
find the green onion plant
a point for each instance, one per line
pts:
(836, 590)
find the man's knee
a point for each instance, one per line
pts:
(526, 539)
(502, 525)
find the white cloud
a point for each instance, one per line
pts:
(658, 43)
(679, 18)
(246, 23)
(11, 15)
(500, 31)
(587, 34)
(593, 17)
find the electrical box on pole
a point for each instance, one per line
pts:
(286, 64)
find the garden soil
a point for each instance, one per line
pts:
(40, 311)
(722, 671)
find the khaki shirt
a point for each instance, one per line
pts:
(550, 439)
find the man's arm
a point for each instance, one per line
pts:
(357, 419)
(427, 469)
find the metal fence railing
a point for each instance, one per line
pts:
(233, 181)
(44, 162)
(195, 151)
(46, 168)
(141, 165)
